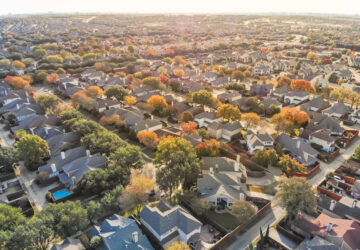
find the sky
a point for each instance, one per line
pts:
(348, 7)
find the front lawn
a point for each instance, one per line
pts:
(226, 220)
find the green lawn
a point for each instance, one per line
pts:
(226, 220)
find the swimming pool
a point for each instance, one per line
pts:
(61, 194)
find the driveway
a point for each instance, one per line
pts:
(242, 241)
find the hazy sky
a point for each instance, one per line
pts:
(180, 6)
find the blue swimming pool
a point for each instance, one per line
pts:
(61, 194)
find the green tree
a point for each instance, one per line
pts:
(296, 194)
(116, 91)
(8, 157)
(84, 127)
(94, 210)
(10, 218)
(102, 141)
(131, 49)
(153, 82)
(94, 182)
(356, 154)
(290, 166)
(32, 150)
(110, 200)
(205, 98)
(176, 161)
(261, 157)
(47, 102)
(69, 217)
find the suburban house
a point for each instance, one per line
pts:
(224, 130)
(147, 125)
(296, 97)
(129, 115)
(316, 104)
(355, 116)
(280, 92)
(62, 142)
(338, 209)
(333, 125)
(269, 101)
(228, 97)
(74, 171)
(168, 224)
(343, 233)
(298, 149)
(119, 232)
(338, 110)
(210, 77)
(261, 89)
(323, 138)
(106, 104)
(258, 141)
(205, 118)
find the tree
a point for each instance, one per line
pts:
(131, 49)
(289, 119)
(186, 116)
(283, 81)
(250, 119)
(137, 192)
(112, 120)
(52, 78)
(158, 102)
(296, 194)
(89, 56)
(237, 75)
(60, 71)
(176, 161)
(178, 73)
(18, 65)
(55, 59)
(110, 200)
(203, 133)
(10, 218)
(174, 85)
(178, 60)
(208, 148)
(300, 84)
(153, 82)
(326, 92)
(17, 82)
(129, 100)
(102, 141)
(47, 102)
(168, 60)
(95, 242)
(116, 91)
(228, 112)
(178, 245)
(356, 154)
(94, 91)
(235, 86)
(164, 79)
(69, 217)
(290, 166)
(148, 138)
(83, 127)
(188, 127)
(4, 63)
(32, 150)
(261, 157)
(8, 158)
(94, 210)
(243, 210)
(94, 182)
(204, 98)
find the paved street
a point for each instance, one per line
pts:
(243, 240)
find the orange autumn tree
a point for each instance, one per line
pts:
(94, 91)
(300, 84)
(178, 73)
(130, 100)
(250, 119)
(283, 81)
(157, 102)
(18, 65)
(112, 120)
(209, 148)
(189, 127)
(52, 78)
(289, 119)
(148, 138)
(81, 99)
(17, 82)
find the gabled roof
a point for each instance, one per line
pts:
(146, 124)
(207, 115)
(323, 134)
(317, 102)
(117, 232)
(297, 93)
(62, 142)
(258, 139)
(332, 124)
(338, 108)
(162, 220)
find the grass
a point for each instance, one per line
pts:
(226, 220)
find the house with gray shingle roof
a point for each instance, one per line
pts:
(168, 224)
(224, 130)
(323, 138)
(333, 125)
(147, 125)
(296, 97)
(258, 141)
(316, 104)
(355, 116)
(205, 118)
(338, 110)
(298, 149)
(119, 232)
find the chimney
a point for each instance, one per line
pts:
(329, 227)
(332, 205)
(217, 168)
(62, 155)
(151, 117)
(87, 152)
(64, 85)
(135, 237)
(211, 170)
(146, 126)
(298, 144)
(27, 100)
(46, 131)
(237, 163)
(17, 106)
(53, 167)
(242, 196)
(73, 179)
(354, 204)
